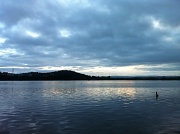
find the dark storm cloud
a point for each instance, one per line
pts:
(89, 33)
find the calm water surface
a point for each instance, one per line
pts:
(90, 107)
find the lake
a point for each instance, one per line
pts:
(89, 107)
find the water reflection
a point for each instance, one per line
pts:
(129, 92)
(86, 90)
(57, 92)
(91, 107)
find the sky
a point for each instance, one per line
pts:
(94, 37)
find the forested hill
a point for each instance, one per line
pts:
(57, 75)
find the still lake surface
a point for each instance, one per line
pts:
(89, 107)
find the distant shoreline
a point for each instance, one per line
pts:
(67, 75)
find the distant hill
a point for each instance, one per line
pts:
(71, 75)
(57, 75)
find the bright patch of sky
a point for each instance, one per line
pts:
(168, 38)
(2, 25)
(65, 33)
(9, 51)
(2, 40)
(83, 3)
(32, 34)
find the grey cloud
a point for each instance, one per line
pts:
(173, 67)
(114, 33)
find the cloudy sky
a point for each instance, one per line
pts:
(95, 37)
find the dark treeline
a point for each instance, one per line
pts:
(57, 75)
(71, 75)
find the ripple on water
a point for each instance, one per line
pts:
(90, 107)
